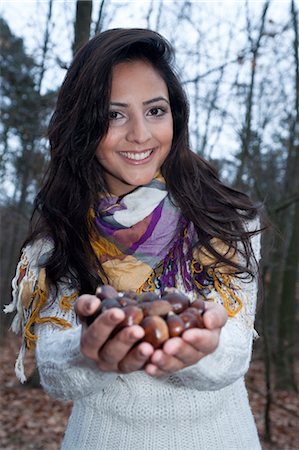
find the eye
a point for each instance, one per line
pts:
(115, 115)
(157, 111)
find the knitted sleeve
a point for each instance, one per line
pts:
(47, 321)
(231, 359)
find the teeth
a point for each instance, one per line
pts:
(136, 156)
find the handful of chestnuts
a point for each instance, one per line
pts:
(161, 317)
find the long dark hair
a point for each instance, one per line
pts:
(75, 177)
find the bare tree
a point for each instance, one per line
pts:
(99, 22)
(45, 45)
(285, 376)
(246, 131)
(82, 23)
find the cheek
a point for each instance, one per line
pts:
(104, 149)
(168, 136)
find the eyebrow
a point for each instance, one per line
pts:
(147, 102)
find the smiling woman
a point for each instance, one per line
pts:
(127, 203)
(140, 130)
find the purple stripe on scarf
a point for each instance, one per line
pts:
(163, 235)
(154, 220)
(106, 228)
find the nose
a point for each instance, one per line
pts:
(139, 130)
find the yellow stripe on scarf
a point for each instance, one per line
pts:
(102, 247)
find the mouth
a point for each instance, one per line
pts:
(138, 156)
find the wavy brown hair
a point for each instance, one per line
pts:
(75, 177)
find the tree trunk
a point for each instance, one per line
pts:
(45, 46)
(285, 377)
(99, 23)
(246, 132)
(82, 24)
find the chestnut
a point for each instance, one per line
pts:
(106, 291)
(147, 297)
(175, 324)
(124, 301)
(156, 330)
(198, 315)
(178, 301)
(189, 319)
(199, 304)
(155, 308)
(131, 294)
(134, 316)
(109, 303)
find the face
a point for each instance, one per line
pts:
(140, 127)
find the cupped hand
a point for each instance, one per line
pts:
(119, 353)
(180, 352)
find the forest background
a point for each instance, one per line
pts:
(239, 63)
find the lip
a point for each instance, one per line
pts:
(141, 161)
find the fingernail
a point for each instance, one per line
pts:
(116, 315)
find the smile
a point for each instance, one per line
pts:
(137, 156)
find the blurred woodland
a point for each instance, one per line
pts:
(241, 74)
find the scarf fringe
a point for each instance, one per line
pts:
(226, 289)
(19, 365)
(65, 302)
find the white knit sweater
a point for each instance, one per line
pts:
(204, 406)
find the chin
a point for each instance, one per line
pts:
(145, 179)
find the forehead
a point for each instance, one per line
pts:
(136, 76)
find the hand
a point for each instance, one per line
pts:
(180, 352)
(117, 354)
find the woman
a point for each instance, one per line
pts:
(127, 203)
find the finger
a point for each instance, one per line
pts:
(203, 340)
(215, 316)
(86, 305)
(136, 358)
(95, 336)
(182, 350)
(154, 371)
(116, 349)
(166, 363)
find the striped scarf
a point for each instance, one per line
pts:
(144, 243)
(137, 235)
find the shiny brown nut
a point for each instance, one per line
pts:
(125, 301)
(134, 316)
(131, 294)
(156, 330)
(199, 304)
(147, 297)
(155, 308)
(178, 301)
(106, 291)
(175, 324)
(189, 319)
(198, 314)
(109, 303)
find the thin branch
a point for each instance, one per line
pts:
(285, 204)
(99, 24)
(45, 47)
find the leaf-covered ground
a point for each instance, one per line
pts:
(31, 420)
